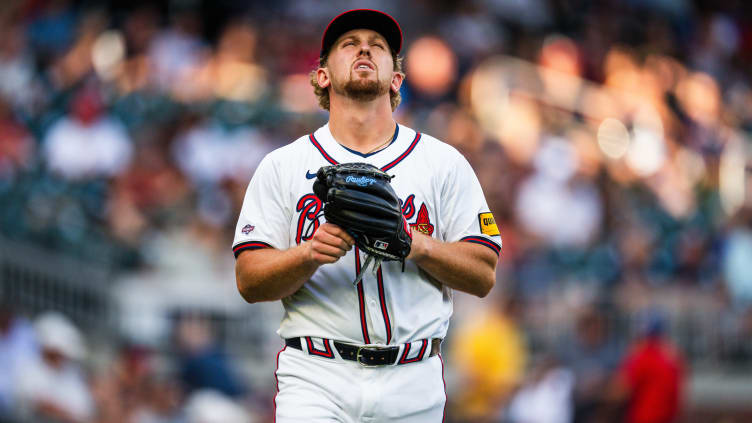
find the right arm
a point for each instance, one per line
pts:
(269, 274)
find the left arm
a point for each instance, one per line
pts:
(459, 265)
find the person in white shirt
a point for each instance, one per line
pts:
(87, 143)
(53, 387)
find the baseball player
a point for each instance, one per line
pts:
(364, 352)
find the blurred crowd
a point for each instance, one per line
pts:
(612, 140)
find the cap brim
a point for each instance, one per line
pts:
(374, 20)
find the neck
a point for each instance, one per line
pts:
(361, 126)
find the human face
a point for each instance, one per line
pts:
(360, 66)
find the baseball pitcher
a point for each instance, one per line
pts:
(363, 229)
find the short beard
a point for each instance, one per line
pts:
(362, 90)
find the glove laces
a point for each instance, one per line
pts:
(375, 268)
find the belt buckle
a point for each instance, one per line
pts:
(370, 347)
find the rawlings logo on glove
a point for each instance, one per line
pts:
(359, 198)
(361, 182)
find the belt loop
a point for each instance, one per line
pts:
(399, 353)
(312, 350)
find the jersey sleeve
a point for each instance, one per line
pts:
(466, 214)
(264, 219)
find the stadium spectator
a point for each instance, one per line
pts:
(651, 378)
(53, 387)
(18, 345)
(490, 355)
(120, 390)
(552, 192)
(202, 362)
(546, 397)
(210, 152)
(592, 356)
(87, 143)
(176, 52)
(18, 81)
(17, 148)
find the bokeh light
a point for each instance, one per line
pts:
(613, 138)
(296, 95)
(732, 177)
(431, 66)
(647, 151)
(107, 53)
(700, 97)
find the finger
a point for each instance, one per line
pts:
(330, 250)
(317, 256)
(323, 258)
(333, 240)
(348, 238)
(339, 232)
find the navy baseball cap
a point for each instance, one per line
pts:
(371, 19)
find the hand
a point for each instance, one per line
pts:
(329, 243)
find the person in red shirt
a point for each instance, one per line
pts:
(650, 380)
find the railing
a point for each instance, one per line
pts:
(33, 280)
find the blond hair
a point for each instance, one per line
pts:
(323, 93)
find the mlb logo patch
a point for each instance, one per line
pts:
(247, 229)
(381, 245)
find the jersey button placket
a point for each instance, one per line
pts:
(375, 313)
(370, 289)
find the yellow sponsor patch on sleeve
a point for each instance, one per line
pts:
(488, 224)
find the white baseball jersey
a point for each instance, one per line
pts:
(441, 197)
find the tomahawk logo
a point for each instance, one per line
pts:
(381, 245)
(423, 221)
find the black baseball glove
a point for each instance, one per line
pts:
(359, 198)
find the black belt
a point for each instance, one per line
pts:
(370, 355)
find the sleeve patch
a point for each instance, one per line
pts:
(488, 224)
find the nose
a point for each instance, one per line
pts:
(365, 49)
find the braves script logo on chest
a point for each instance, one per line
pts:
(310, 208)
(309, 205)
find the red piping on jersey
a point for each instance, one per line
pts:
(384, 311)
(361, 300)
(321, 149)
(483, 241)
(405, 360)
(277, 380)
(327, 353)
(446, 397)
(250, 245)
(403, 155)
(393, 163)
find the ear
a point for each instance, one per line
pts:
(322, 77)
(397, 79)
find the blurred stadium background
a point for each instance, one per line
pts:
(612, 138)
